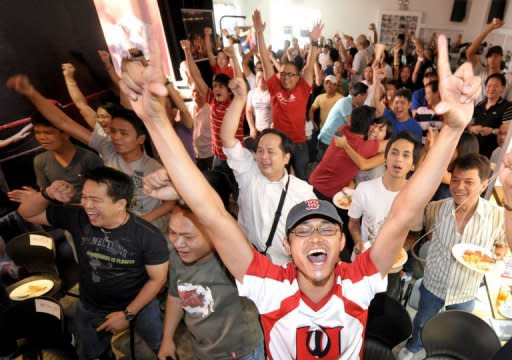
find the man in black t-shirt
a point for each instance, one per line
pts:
(123, 259)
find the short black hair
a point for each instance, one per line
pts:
(119, 185)
(474, 161)
(404, 92)
(222, 79)
(131, 117)
(468, 144)
(359, 88)
(38, 119)
(109, 106)
(498, 76)
(286, 144)
(361, 119)
(407, 136)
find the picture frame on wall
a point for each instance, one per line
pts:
(393, 23)
(195, 21)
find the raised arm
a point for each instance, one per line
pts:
(176, 98)
(375, 36)
(195, 74)
(314, 35)
(87, 112)
(471, 51)
(144, 87)
(109, 68)
(457, 93)
(231, 54)
(22, 85)
(419, 60)
(379, 73)
(259, 28)
(232, 117)
(208, 44)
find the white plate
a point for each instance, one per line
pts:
(458, 252)
(397, 266)
(342, 195)
(505, 309)
(31, 289)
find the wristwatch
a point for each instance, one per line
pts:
(129, 315)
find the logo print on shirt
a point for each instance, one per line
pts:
(196, 299)
(318, 343)
(280, 97)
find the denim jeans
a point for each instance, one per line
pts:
(148, 324)
(429, 306)
(258, 353)
(300, 160)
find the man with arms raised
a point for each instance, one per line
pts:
(267, 191)
(315, 292)
(289, 94)
(123, 259)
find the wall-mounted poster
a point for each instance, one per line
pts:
(195, 22)
(394, 23)
(127, 25)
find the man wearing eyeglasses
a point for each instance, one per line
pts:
(289, 93)
(315, 306)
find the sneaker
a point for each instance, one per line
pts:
(405, 354)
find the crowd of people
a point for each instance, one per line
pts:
(258, 261)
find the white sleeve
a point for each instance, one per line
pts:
(357, 206)
(239, 159)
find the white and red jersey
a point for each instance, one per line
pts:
(295, 327)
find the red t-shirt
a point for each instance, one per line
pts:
(217, 112)
(289, 108)
(227, 70)
(336, 169)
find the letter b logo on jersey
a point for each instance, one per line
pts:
(318, 343)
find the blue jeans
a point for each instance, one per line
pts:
(258, 353)
(300, 160)
(148, 324)
(429, 306)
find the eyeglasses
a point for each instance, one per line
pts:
(287, 74)
(308, 230)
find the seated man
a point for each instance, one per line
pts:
(267, 191)
(123, 259)
(122, 150)
(463, 218)
(315, 305)
(62, 160)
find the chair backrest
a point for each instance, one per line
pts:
(373, 350)
(39, 320)
(35, 252)
(459, 334)
(388, 321)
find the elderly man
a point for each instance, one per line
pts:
(289, 94)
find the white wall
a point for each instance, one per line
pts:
(353, 16)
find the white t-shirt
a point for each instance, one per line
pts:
(260, 101)
(372, 201)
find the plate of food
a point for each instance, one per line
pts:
(343, 199)
(400, 260)
(474, 257)
(31, 289)
(504, 301)
(505, 309)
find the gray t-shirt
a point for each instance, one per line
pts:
(48, 169)
(220, 321)
(141, 203)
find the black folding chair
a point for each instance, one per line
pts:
(459, 335)
(388, 321)
(40, 322)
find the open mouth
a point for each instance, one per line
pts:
(317, 256)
